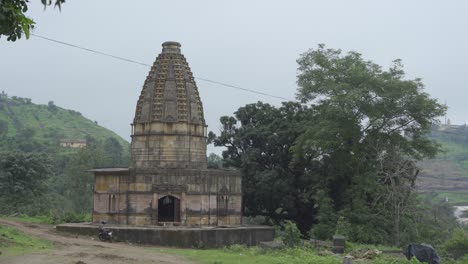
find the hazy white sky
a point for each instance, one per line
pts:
(253, 44)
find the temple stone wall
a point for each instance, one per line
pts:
(207, 197)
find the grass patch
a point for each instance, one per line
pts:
(13, 242)
(28, 219)
(254, 255)
(350, 246)
(454, 198)
(52, 219)
(239, 254)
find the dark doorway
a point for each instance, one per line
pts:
(168, 209)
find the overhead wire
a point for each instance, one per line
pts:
(145, 64)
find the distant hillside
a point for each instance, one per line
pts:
(449, 170)
(48, 124)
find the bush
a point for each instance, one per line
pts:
(327, 218)
(290, 235)
(457, 245)
(342, 227)
(56, 217)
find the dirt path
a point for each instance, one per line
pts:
(71, 249)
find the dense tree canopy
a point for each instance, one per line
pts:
(259, 140)
(350, 155)
(23, 180)
(214, 161)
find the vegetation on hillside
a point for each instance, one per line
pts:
(347, 152)
(20, 120)
(13, 241)
(454, 156)
(40, 177)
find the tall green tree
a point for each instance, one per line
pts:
(349, 156)
(114, 151)
(365, 115)
(258, 140)
(23, 180)
(215, 161)
(79, 183)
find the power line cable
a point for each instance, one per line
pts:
(145, 64)
(90, 50)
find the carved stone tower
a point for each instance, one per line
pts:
(168, 182)
(169, 129)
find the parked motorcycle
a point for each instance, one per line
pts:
(105, 234)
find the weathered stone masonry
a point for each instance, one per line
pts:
(168, 181)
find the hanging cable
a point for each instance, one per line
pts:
(145, 64)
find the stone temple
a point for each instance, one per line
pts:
(168, 183)
(168, 196)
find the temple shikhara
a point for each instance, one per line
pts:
(168, 182)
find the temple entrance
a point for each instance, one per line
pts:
(168, 209)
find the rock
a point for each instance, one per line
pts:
(271, 245)
(348, 259)
(371, 254)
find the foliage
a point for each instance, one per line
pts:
(254, 255)
(352, 152)
(49, 124)
(327, 218)
(13, 241)
(453, 160)
(290, 234)
(55, 216)
(23, 179)
(27, 219)
(79, 182)
(343, 227)
(215, 161)
(236, 254)
(457, 244)
(114, 150)
(52, 107)
(13, 20)
(454, 198)
(258, 140)
(368, 129)
(37, 129)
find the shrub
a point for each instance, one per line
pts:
(57, 217)
(457, 245)
(236, 248)
(342, 227)
(290, 235)
(327, 218)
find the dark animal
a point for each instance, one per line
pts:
(423, 252)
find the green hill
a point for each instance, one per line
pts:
(446, 176)
(48, 124)
(454, 141)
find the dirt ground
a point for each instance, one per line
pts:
(72, 249)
